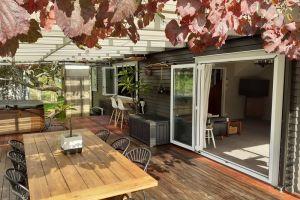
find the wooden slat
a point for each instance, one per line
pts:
(56, 182)
(88, 176)
(98, 172)
(114, 155)
(110, 190)
(72, 177)
(36, 178)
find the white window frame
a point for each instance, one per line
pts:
(277, 103)
(115, 67)
(126, 64)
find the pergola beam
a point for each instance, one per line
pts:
(66, 41)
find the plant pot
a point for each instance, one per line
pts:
(71, 145)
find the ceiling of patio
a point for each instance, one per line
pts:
(54, 46)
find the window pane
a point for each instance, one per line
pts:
(110, 82)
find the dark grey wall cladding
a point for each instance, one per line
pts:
(292, 163)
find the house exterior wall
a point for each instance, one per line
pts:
(160, 103)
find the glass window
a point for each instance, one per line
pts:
(109, 81)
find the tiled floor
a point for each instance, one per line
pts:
(181, 174)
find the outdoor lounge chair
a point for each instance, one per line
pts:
(103, 135)
(140, 156)
(18, 161)
(17, 145)
(15, 176)
(21, 192)
(121, 145)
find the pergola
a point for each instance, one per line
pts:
(55, 46)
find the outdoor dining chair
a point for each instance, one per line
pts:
(15, 176)
(18, 161)
(17, 145)
(123, 112)
(103, 135)
(141, 157)
(115, 111)
(21, 192)
(121, 145)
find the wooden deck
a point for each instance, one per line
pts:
(181, 174)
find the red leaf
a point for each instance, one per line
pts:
(9, 48)
(66, 6)
(14, 20)
(187, 7)
(122, 9)
(47, 18)
(35, 5)
(74, 25)
(175, 33)
(33, 34)
(198, 45)
(198, 24)
(87, 10)
(132, 30)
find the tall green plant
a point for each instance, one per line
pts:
(61, 109)
(127, 81)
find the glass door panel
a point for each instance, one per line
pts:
(182, 106)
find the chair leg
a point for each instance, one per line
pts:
(112, 114)
(213, 138)
(144, 193)
(208, 137)
(122, 120)
(118, 117)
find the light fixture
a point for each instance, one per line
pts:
(264, 62)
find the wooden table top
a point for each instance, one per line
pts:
(98, 172)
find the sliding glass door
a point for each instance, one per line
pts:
(182, 105)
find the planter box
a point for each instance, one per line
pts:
(149, 129)
(72, 144)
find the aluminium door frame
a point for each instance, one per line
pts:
(174, 67)
(276, 114)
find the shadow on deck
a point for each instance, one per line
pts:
(181, 174)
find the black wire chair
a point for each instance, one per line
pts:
(103, 135)
(18, 161)
(121, 144)
(21, 192)
(15, 177)
(141, 157)
(17, 145)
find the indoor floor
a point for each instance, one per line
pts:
(249, 149)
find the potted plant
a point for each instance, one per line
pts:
(128, 83)
(69, 142)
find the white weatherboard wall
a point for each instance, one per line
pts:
(78, 89)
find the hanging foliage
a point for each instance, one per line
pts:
(201, 23)
(44, 77)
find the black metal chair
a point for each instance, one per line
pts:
(121, 144)
(18, 161)
(15, 177)
(17, 145)
(141, 157)
(103, 135)
(21, 192)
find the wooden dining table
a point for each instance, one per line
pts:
(98, 172)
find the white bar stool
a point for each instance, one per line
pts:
(209, 135)
(115, 110)
(123, 111)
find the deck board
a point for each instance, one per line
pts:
(181, 174)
